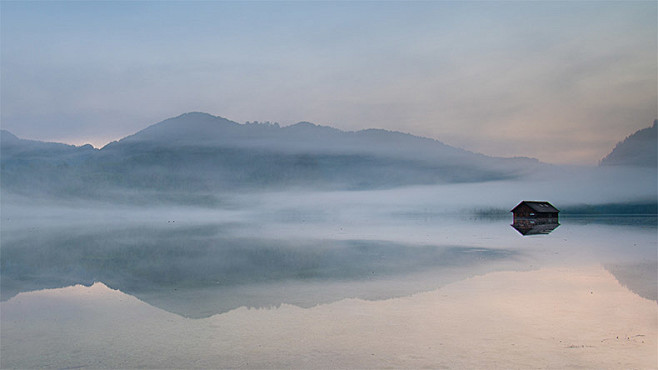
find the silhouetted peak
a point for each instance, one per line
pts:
(12, 145)
(638, 149)
(192, 127)
(304, 125)
(196, 115)
(196, 118)
(8, 136)
(86, 147)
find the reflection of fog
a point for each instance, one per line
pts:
(647, 222)
(281, 249)
(197, 271)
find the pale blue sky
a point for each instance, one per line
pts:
(560, 81)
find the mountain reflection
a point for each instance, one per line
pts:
(640, 277)
(201, 271)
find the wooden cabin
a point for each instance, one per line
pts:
(534, 212)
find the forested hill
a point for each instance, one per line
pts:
(639, 149)
(199, 153)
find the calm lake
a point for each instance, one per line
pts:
(297, 287)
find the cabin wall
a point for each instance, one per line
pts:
(525, 214)
(522, 212)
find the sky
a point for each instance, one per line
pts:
(559, 81)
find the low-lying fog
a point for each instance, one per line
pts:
(567, 188)
(301, 247)
(406, 277)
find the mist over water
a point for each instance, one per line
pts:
(291, 273)
(348, 242)
(307, 261)
(302, 247)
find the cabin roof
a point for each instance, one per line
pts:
(537, 206)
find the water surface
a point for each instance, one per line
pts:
(319, 288)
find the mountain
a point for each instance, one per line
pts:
(204, 130)
(13, 146)
(639, 149)
(197, 153)
(34, 167)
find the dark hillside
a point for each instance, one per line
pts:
(638, 149)
(197, 153)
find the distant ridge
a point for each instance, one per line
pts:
(12, 145)
(197, 128)
(203, 129)
(193, 126)
(198, 153)
(639, 149)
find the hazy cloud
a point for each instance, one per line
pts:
(491, 77)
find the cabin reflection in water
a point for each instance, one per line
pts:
(530, 227)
